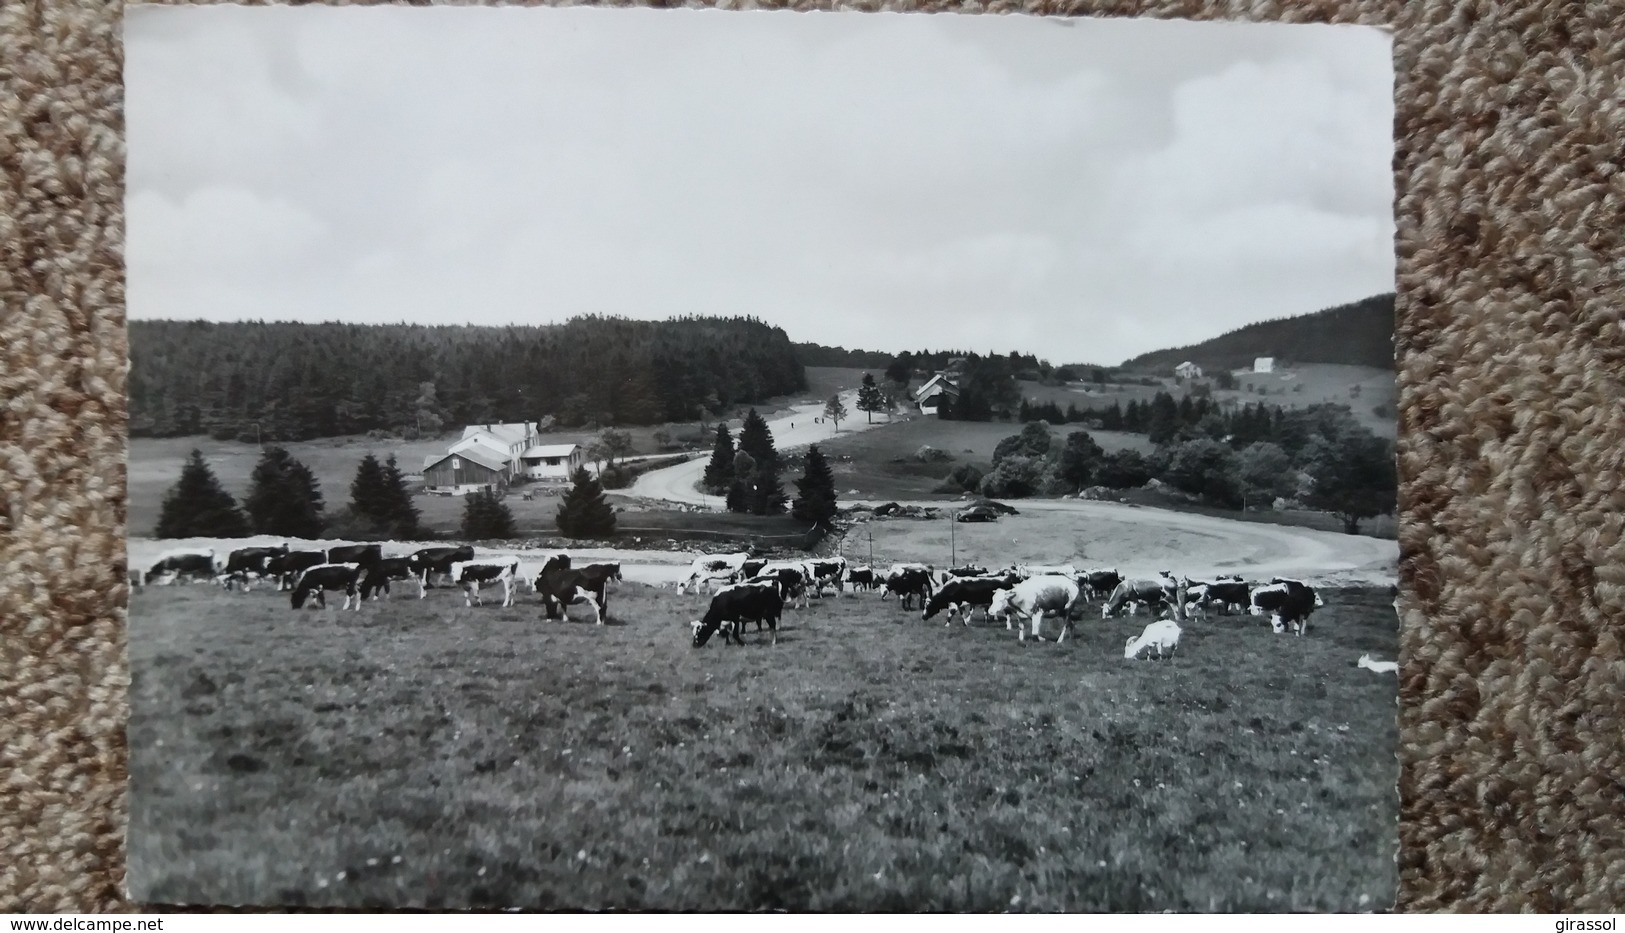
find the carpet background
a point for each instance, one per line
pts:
(1510, 207)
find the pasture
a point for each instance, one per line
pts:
(419, 753)
(874, 470)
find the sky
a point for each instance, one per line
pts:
(1081, 189)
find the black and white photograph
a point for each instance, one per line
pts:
(717, 460)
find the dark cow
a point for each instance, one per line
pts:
(1151, 592)
(432, 560)
(968, 570)
(323, 577)
(363, 554)
(610, 569)
(733, 606)
(827, 571)
(908, 583)
(469, 574)
(1288, 603)
(1098, 583)
(862, 578)
(376, 580)
(961, 596)
(562, 586)
(248, 562)
(289, 566)
(178, 563)
(750, 568)
(793, 578)
(1229, 595)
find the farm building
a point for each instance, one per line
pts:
(929, 396)
(1264, 364)
(459, 473)
(555, 461)
(1188, 370)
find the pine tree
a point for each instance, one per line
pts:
(719, 473)
(197, 506)
(585, 513)
(284, 498)
(756, 439)
(740, 490)
(816, 488)
(369, 497)
(402, 513)
(870, 399)
(835, 411)
(486, 517)
(767, 489)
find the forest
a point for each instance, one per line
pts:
(1357, 334)
(288, 381)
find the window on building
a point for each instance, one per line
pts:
(456, 464)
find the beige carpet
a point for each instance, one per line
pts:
(1511, 195)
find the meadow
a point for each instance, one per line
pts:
(420, 753)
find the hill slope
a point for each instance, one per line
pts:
(1356, 334)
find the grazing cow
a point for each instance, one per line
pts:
(862, 578)
(323, 577)
(1288, 603)
(289, 566)
(1162, 635)
(793, 577)
(432, 560)
(376, 580)
(355, 554)
(610, 569)
(469, 574)
(1377, 667)
(562, 587)
(961, 595)
(1032, 598)
(1027, 571)
(181, 563)
(247, 562)
(968, 570)
(827, 571)
(1153, 593)
(713, 568)
(909, 582)
(733, 606)
(1228, 595)
(1099, 583)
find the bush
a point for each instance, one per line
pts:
(929, 454)
(1018, 476)
(966, 477)
(616, 477)
(1206, 468)
(1125, 469)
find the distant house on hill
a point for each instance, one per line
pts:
(487, 456)
(1264, 364)
(553, 461)
(1188, 370)
(928, 397)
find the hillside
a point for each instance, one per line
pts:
(1357, 334)
(292, 381)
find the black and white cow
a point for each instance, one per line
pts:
(732, 606)
(827, 571)
(355, 554)
(561, 587)
(793, 576)
(376, 580)
(1028, 571)
(909, 582)
(961, 595)
(433, 560)
(1099, 583)
(323, 577)
(469, 574)
(172, 565)
(289, 566)
(716, 569)
(247, 564)
(968, 570)
(1150, 592)
(1032, 598)
(862, 578)
(1288, 603)
(1226, 595)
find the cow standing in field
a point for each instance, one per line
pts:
(432, 560)
(376, 580)
(319, 579)
(1152, 593)
(287, 567)
(862, 578)
(909, 582)
(1163, 635)
(827, 571)
(1289, 603)
(172, 565)
(715, 569)
(362, 554)
(469, 574)
(1098, 583)
(793, 577)
(562, 587)
(1054, 594)
(732, 606)
(961, 596)
(247, 564)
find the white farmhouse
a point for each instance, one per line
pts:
(1188, 370)
(1264, 364)
(552, 461)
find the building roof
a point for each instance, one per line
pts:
(551, 450)
(507, 434)
(942, 379)
(478, 453)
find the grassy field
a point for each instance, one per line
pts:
(425, 754)
(874, 471)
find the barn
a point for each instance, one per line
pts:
(1188, 370)
(552, 462)
(460, 472)
(929, 396)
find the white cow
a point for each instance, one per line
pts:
(713, 569)
(1034, 597)
(1162, 635)
(469, 574)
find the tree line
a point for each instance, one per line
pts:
(748, 472)
(284, 381)
(1360, 333)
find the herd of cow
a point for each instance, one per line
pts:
(754, 590)
(747, 589)
(362, 572)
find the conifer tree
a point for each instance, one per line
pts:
(816, 488)
(756, 439)
(284, 498)
(486, 517)
(767, 489)
(870, 399)
(197, 506)
(744, 475)
(369, 496)
(585, 513)
(404, 519)
(719, 473)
